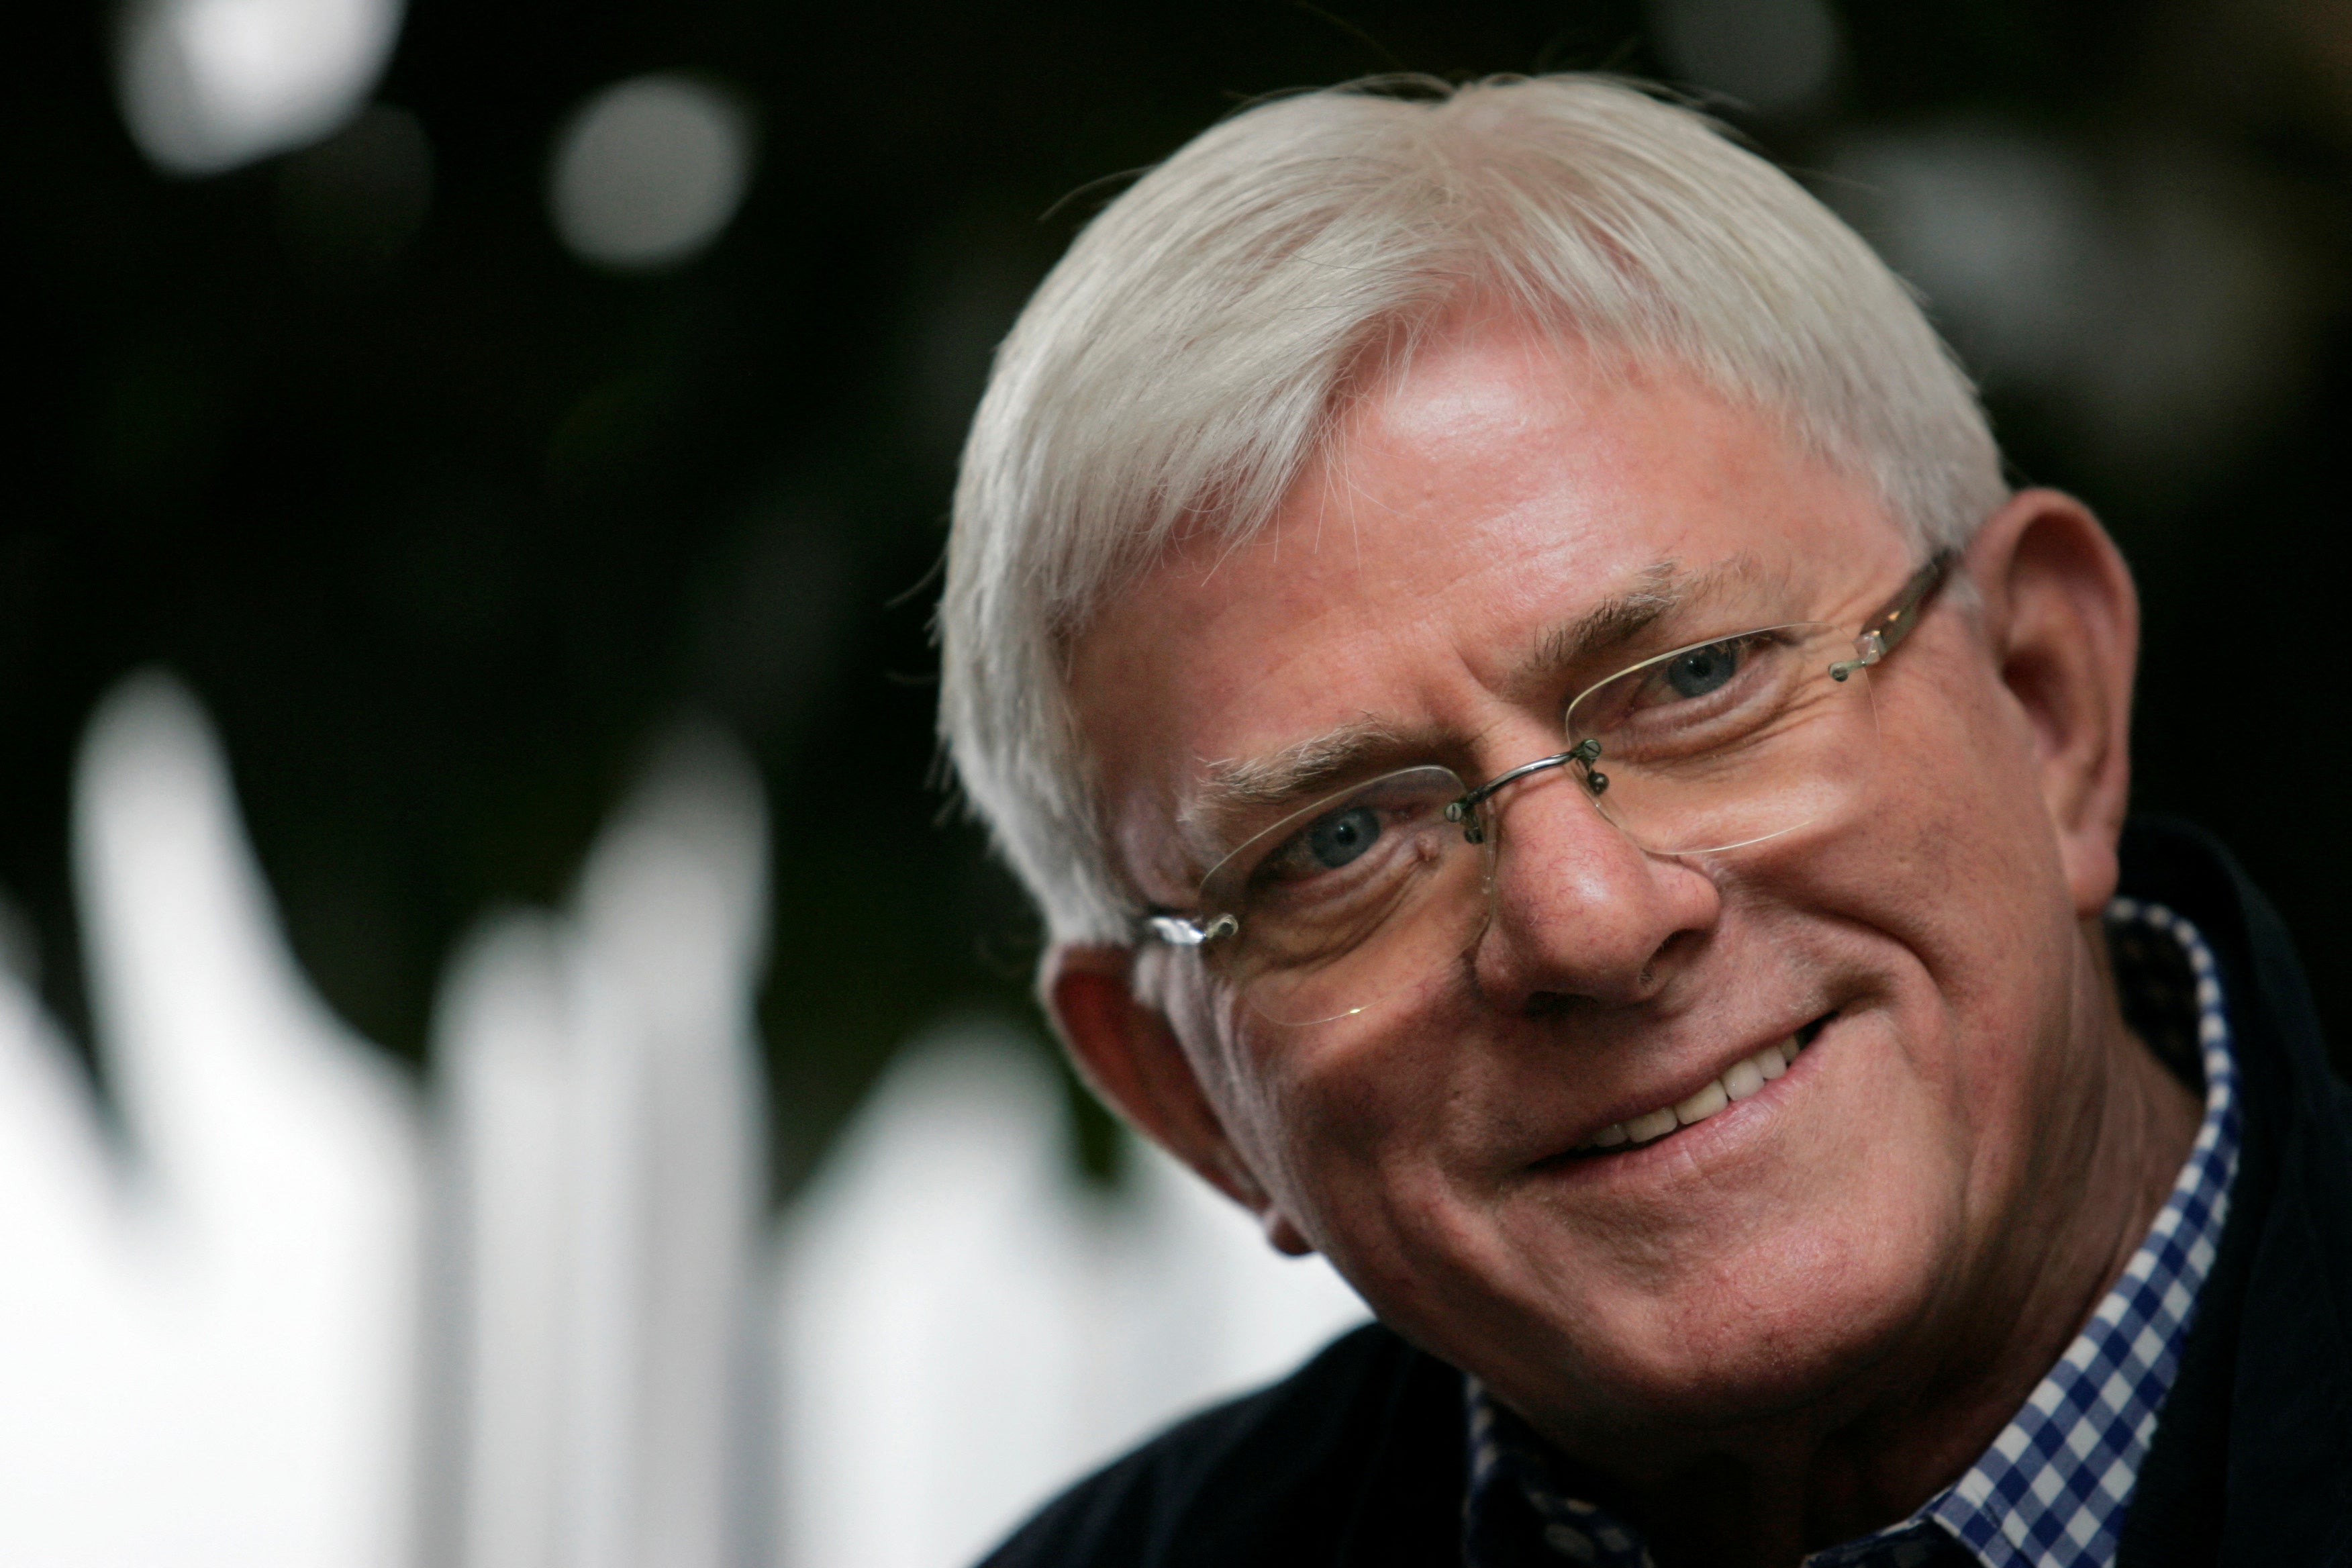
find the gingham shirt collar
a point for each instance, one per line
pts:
(2052, 1488)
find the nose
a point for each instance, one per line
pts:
(1580, 912)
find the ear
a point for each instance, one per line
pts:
(1129, 1053)
(2063, 620)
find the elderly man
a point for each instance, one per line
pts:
(1562, 779)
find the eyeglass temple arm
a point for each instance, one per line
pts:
(1884, 632)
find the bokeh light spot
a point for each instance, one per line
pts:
(208, 85)
(649, 170)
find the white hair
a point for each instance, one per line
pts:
(1183, 362)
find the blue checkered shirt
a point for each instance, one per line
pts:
(2051, 1489)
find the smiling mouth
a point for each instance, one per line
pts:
(1740, 1080)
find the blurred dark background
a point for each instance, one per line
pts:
(447, 521)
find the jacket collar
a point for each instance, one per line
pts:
(2264, 1393)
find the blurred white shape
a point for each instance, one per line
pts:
(1774, 55)
(207, 85)
(963, 1329)
(210, 1344)
(604, 1123)
(648, 171)
(213, 1357)
(504, 1132)
(81, 1331)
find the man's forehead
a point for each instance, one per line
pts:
(1238, 673)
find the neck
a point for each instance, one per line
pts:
(1770, 1495)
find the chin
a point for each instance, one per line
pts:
(1808, 1324)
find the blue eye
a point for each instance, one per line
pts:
(1341, 836)
(1703, 669)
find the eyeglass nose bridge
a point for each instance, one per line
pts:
(1584, 753)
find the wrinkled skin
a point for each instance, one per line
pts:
(1794, 1321)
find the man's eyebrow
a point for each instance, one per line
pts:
(1656, 589)
(1233, 787)
(1300, 766)
(1655, 592)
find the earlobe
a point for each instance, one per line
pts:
(1129, 1053)
(2063, 618)
(1282, 1235)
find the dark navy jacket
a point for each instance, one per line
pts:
(1357, 1459)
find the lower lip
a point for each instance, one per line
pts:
(1733, 1121)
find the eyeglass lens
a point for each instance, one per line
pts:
(1714, 746)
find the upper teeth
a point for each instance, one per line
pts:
(1740, 1079)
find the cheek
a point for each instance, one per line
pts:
(1346, 1125)
(1260, 1078)
(1954, 839)
(1958, 870)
